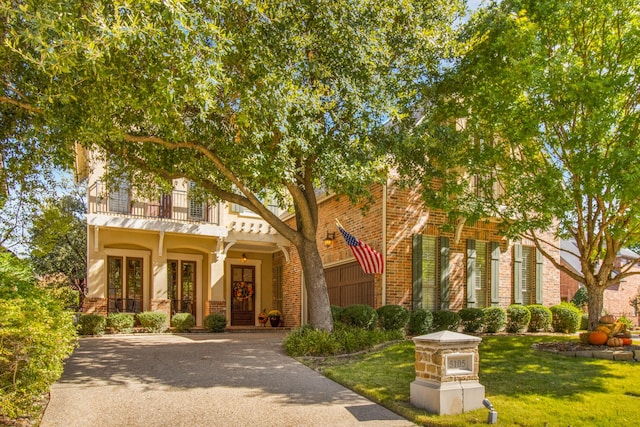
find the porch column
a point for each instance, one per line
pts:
(217, 303)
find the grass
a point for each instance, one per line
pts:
(527, 387)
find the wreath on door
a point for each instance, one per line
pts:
(242, 290)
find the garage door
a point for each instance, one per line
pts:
(348, 285)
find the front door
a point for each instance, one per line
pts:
(242, 295)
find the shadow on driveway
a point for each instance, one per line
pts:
(240, 379)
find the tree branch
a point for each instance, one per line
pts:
(23, 105)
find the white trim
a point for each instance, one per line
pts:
(156, 225)
(96, 235)
(384, 244)
(284, 250)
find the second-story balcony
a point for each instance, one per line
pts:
(175, 206)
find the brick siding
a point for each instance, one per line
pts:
(405, 216)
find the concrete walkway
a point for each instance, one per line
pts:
(229, 379)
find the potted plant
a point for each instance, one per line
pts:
(262, 317)
(274, 318)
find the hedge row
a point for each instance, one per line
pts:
(151, 321)
(564, 317)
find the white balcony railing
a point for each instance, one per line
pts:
(175, 206)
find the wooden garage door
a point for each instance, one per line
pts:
(348, 285)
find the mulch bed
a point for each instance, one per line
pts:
(562, 346)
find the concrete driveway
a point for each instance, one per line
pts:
(229, 379)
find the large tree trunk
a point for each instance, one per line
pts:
(316, 285)
(596, 302)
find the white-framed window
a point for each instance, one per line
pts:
(119, 198)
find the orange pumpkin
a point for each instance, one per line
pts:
(626, 341)
(614, 342)
(598, 338)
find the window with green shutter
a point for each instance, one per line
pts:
(429, 276)
(430, 272)
(481, 274)
(527, 275)
(527, 287)
(477, 274)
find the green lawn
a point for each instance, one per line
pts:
(527, 387)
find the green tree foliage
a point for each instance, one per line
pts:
(36, 336)
(540, 112)
(252, 101)
(29, 152)
(59, 241)
(581, 297)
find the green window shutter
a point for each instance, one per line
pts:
(416, 271)
(495, 273)
(517, 273)
(444, 273)
(471, 273)
(539, 277)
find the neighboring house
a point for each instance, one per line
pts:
(618, 297)
(177, 253)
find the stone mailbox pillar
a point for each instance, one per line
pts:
(447, 365)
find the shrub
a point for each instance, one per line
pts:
(360, 315)
(183, 322)
(307, 341)
(36, 336)
(120, 322)
(92, 324)
(540, 318)
(471, 319)
(392, 317)
(336, 313)
(445, 321)
(420, 322)
(153, 321)
(518, 317)
(215, 322)
(495, 318)
(581, 297)
(565, 318)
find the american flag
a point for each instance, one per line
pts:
(369, 259)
